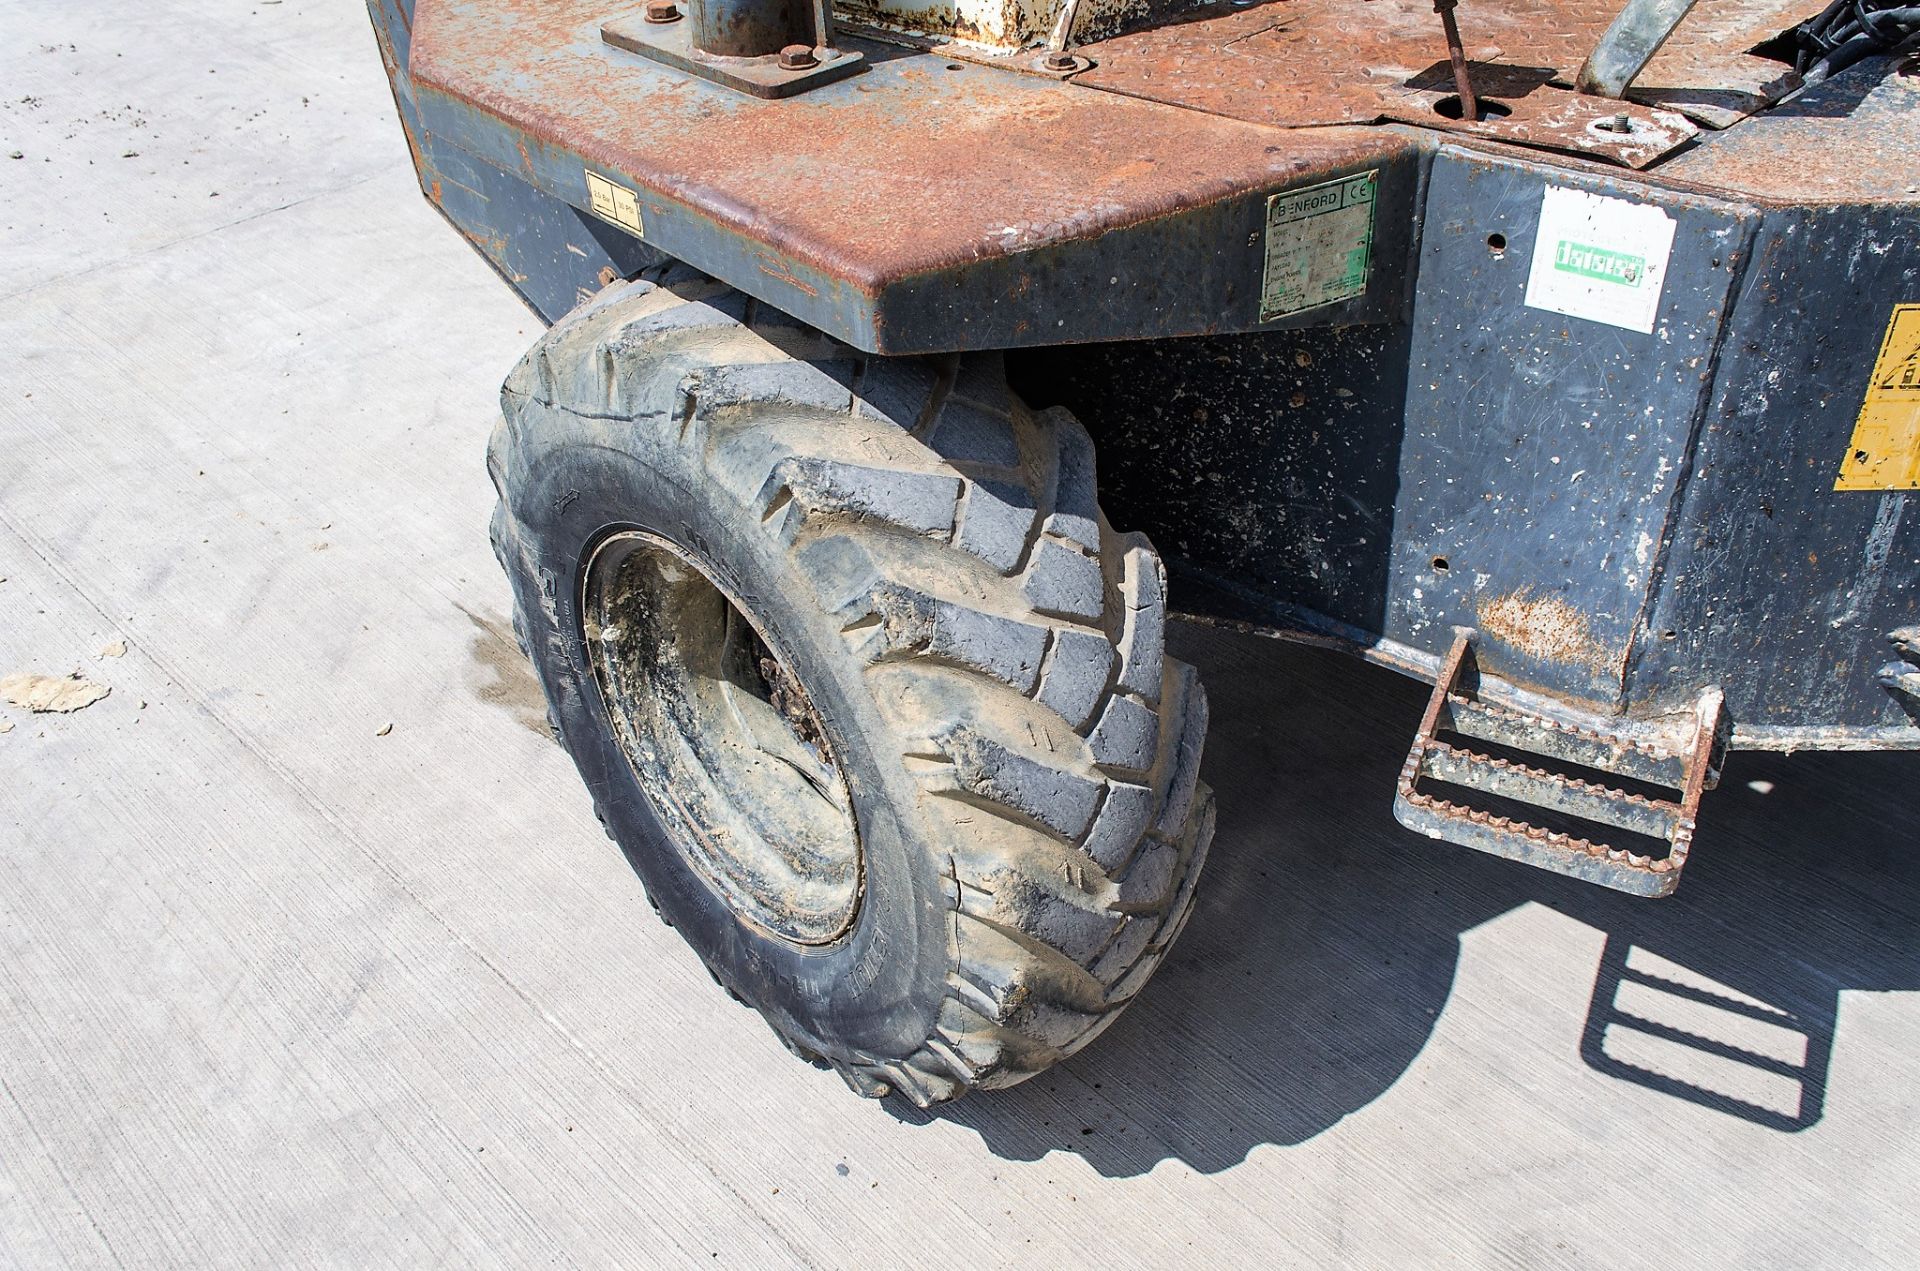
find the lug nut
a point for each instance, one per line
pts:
(797, 57)
(659, 11)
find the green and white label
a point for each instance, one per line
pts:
(1598, 262)
(1600, 258)
(1319, 245)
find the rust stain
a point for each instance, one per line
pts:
(1321, 67)
(493, 245)
(1131, 171)
(908, 170)
(773, 268)
(1543, 627)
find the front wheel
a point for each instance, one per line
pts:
(861, 680)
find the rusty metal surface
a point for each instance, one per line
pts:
(1850, 139)
(917, 168)
(1307, 62)
(1686, 761)
(672, 43)
(737, 28)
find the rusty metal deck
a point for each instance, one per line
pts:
(1298, 63)
(948, 199)
(873, 192)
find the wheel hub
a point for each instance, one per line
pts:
(724, 738)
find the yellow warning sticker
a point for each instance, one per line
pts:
(614, 202)
(1885, 452)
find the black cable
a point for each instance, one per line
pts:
(1848, 30)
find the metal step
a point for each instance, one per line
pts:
(1688, 766)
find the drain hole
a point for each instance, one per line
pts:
(1449, 108)
(1497, 243)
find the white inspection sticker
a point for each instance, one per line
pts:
(1600, 258)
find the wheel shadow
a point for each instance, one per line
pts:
(1326, 938)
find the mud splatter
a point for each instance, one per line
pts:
(508, 680)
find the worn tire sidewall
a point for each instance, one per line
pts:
(877, 991)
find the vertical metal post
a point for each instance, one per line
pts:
(1457, 55)
(1056, 57)
(751, 28)
(823, 26)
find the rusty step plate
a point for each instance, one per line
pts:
(1687, 765)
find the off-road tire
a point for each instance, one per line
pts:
(984, 650)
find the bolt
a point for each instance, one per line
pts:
(660, 11)
(797, 57)
(1623, 123)
(1058, 60)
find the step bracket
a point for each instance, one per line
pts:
(1688, 764)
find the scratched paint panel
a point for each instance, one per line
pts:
(1780, 587)
(1543, 452)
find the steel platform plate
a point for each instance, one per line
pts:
(925, 204)
(1300, 63)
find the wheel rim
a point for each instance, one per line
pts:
(724, 739)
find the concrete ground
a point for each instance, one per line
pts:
(281, 987)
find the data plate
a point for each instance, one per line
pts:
(614, 202)
(1319, 245)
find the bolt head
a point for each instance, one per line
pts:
(797, 57)
(658, 11)
(1058, 61)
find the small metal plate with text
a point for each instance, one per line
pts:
(1319, 245)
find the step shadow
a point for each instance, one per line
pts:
(1327, 937)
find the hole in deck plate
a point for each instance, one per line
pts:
(1497, 244)
(1441, 565)
(956, 66)
(1449, 107)
(1777, 48)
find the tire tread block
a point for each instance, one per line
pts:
(1064, 900)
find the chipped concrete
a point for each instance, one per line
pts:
(58, 694)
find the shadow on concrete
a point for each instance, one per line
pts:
(1327, 937)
